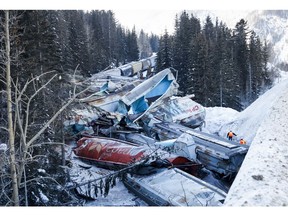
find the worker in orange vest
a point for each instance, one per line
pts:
(242, 141)
(230, 135)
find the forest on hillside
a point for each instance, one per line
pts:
(43, 50)
(221, 66)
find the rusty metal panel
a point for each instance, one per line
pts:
(110, 151)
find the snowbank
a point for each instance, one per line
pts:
(263, 178)
(249, 120)
(218, 116)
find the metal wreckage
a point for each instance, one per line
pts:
(133, 116)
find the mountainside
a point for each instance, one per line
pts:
(273, 26)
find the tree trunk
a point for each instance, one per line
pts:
(15, 197)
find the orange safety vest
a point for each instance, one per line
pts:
(230, 134)
(242, 142)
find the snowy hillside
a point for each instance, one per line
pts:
(229, 17)
(272, 26)
(247, 122)
(220, 120)
(262, 179)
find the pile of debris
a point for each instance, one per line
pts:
(133, 119)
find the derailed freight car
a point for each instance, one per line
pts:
(173, 187)
(117, 154)
(126, 70)
(148, 94)
(181, 110)
(222, 157)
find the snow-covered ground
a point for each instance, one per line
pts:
(218, 116)
(247, 122)
(263, 178)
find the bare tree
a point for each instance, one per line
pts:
(18, 116)
(15, 196)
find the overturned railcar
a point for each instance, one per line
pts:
(222, 157)
(152, 60)
(145, 64)
(181, 110)
(173, 187)
(148, 94)
(117, 154)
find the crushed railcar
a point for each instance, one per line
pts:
(173, 187)
(180, 110)
(148, 94)
(222, 157)
(117, 154)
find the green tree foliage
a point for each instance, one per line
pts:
(164, 57)
(186, 30)
(241, 57)
(77, 43)
(144, 45)
(222, 67)
(132, 51)
(154, 42)
(105, 39)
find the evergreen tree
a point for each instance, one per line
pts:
(241, 57)
(197, 80)
(226, 79)
(61, 25)
(120, 45)
(268, 76)
(144, 45)
(78, 43)
(109, 30)
(186, 30)
(132, 52)
(164, 55)
(98, 54)
(39, 39)
(41, 52)
(212, 64)
(255, 67)
(154, 42)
